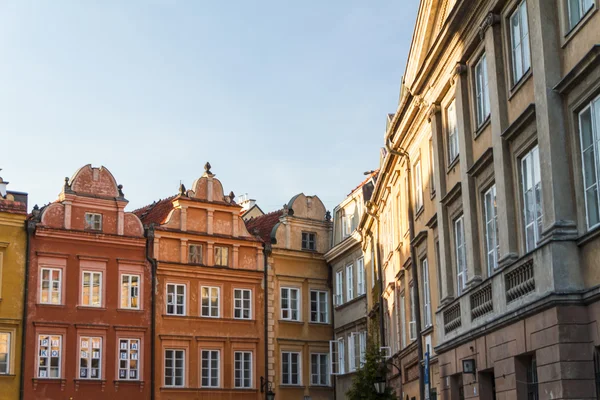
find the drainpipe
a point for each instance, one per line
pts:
(266, 254)
(30, 228)
(149, 233)
(411, 226)
(330, 284)
(379, 273)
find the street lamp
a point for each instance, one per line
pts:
(379, 384)
(269, 386)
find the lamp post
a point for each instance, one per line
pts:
(265, 384)
(379, 384)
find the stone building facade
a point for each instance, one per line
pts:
(88, 311)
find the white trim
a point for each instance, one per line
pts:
(6, 363)
(318, 373)
(349, 282)
(50, 285)
(130, 291)
(243, 371)
(210, 377)
(594, 146)
(174, 368)
(92, 353)
(319, 311)
(91, 287)
(361, 287)
(132, 354)
(491, 228)
(289, 309)
(461, 254)
(169, 300)
(241, 308)
(427, 322)
(290, 374)
(520, 51)
(49, 345)
(482, 95)
(210, 307)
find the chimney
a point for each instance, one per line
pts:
(2, 187)
(246, 202)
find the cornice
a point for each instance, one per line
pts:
(483, 161)
(345, 246)
(524, 119)
(587, 64)
(490, 20)
(452, 195)
(83, 236)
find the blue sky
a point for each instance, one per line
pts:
(281, 97)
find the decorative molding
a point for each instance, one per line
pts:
(483, 161)
(452, 195)
(584, 67)
(433, 109)
(419, 238)
(433, 221)
(490, 20)
(524, 119)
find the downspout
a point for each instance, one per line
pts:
(330, 284)
(411, 227)
(266, 253)
(379, 273)
(30, 229)
(149, 233)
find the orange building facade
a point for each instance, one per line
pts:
(210, 327)
(88, 318)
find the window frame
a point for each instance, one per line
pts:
(241, 309)
(361, 284)
(418, 185)
(427, 320)
(8, 354)
(91, 227)
(452, 132)
(571, 25)
(537, 223)
(174, 367)
(290, 382)
(210, 298)
(92, 273)
(311, 239)
(129, 342)
(218, 258)
(290, 309)
(48, 366)
(243, 371)
(50, 291)
(520, 11)
(198, 253)
(210, 377)
(129, 291)
(491, 223)
(89, 359)
(461, 270)
(318, 311)
(339, 287)
(481, 91)
(184, 305)
(595, 146)
(349, 272)
(319, 372)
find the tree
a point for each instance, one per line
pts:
(363, 383)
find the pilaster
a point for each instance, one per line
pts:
(67, 221)
(209, 220)
(235, 256)
(183, 251)
(235, 219)
(183, 219)
(120, 220)
(210, 253)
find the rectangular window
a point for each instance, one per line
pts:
(308, 241)
(51, 286)
(91, 293)
(175, 299)
(349, 282)
(221, 256)
(589, 131)
(318, 306)
(519, 35)
(90, 357)
(130, 291)
(210, 301)
(373, 279)
(418, 186)
(482, 95)
(577, 10)
(290, 368)
(195, 254)
(360, 277)
(402, 321)
(242, 304)
(93, 222)
(491, 229)
(290, 304)
(319, 374)
(339, 288)
(452, 132)
(336, 356)
(4, 353)
(243, 369)
(461, 260)
(532, 197)
(532, 380)
(210, 368)
(49, 356)
(431, 169)
(174, 368)
(426, 294)
(129, 357)
(412, 325)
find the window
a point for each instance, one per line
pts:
(461, 261)
(93, 222)
(221, 256)
(51, 286)
(577, 10)
(242, 304)
(195, 254)
(91, 294)
(402, 322)
(308, 241)
(243, 369)
(290, 300)
(319, 374)
(49, 356)
(597, 370)
(318, 306)
(372, 266)
(491, 229)
(360, 277)
(175, 299)
(129, 355)
(481, 91)
(519, 35)
(532, 197)
(210, 368)
(426, 294)
(210, 301)
(130, 291)
(452, 132)
(174, 368)
(290, 368)
(532, 380)
(336, 352)
(357, 345)
(412, 325)
(418, 187)
(589, 131)
(349, 282)
(339, 288)
(90, 356)
(431, 168)
(4, 353)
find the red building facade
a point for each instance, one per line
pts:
(88, 321)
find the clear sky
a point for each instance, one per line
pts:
(281, 97)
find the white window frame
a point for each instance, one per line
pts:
(319, 373)
(128, 353)
(427, 322)
(339, 288)
(519, 41)
(461, 254)
(238, 303)
(245, 375)
(452, 128)
(372, 266)
(51, 285)
(195, 253)
(176, 296)
(133, 292)
(581, 7)
(93, 353)
(336, 357)
(209, 308)
(482, 95)
(320, 312)
(289, 374)
(531, 182)
(93, 221)
(593, 148)
(491, 229)
(349, 282)
(221, 252)
(412, 325)
(403, 320)
(5, 365)
(418, 185)
(92, 274)
(210, 353)
(361, 287)
(174, 368)
(53, 344)
(289, 310)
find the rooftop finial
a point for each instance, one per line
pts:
(207, 167)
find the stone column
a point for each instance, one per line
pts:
(468, 189)
(209, 220)
(491, 33)
(183, 251)
(260, 259)
(67, 221)
(183, 219)
(236, 255)
(210, 254)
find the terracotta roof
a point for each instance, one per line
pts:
(156, 212)
(263, 225)
(13, 207)
(371, 175)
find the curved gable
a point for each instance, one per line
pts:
(310, 207)
(94, 181)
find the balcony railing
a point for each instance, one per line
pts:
(520, 281)
(482, 302)
(452, 320)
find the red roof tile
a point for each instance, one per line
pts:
(156, 212)
(263, 225)
(371, 175)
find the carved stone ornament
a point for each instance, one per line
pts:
(490, 20)
(434, 109)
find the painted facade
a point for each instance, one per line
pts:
(210, 325)
(89, 295)
(13, 212)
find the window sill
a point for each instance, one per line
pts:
(50, 305)
(291, 321)
(135, 310)
(354, 300)
(319, 323)
(7, 376)
(452, 164)
(488, 121)
(320, 386)
(427, 330)
(513, 91)
(419, 212)
(591, 234)
(80, 307)
(291, 386)
(432, 194)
